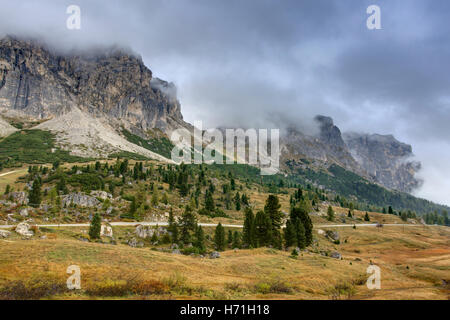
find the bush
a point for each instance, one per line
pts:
(275, 286)
(342, 290)
(191, 250)
(148, 287)
(32, 290)
(110, 288)
(262, 287)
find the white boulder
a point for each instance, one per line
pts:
(24, 230)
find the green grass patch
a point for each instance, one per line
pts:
(161, 145)
(33, 147)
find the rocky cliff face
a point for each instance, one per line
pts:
(386, 159)
(380, 159)
(115, 84)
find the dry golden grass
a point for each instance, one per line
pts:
(413, 262)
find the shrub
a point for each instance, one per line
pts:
(148, 287)
(110, 288)
(275, 286)
(32, 290)
(132, 286)
(262, 287)
(191, 250)
(342, 289)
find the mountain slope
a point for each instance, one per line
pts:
(87, 136)
(86, 98)
(5, 128)
(104, 101)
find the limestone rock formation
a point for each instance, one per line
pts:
(386, 159)
(19, 197)
(5, 128)
(380, 159)
(4, 234)
(79, 199)
(24, 230)
(112, 88)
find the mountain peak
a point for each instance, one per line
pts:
(105, 82)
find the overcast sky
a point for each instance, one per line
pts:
(261, 63)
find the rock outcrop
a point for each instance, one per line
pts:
(5, 128)
(4, 234)
(24, 230)
(111, 87)
(79, 199)
(145, 232)
(386, 159)
(106, 231)
(19, 197)
(380, 159)
(43, 84)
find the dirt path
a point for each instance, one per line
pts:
(11, 172)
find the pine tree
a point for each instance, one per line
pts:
(404, 216)
(188, 225)
(200, 240)
(133, 207)
(301, 238)
(272, 209)
(248, 232)
(172, 228)
(446, 219)
(277, 239)
(390, 210)
(154, 238)
(209, 202)
(236, 240)
(35, 196)
(155, 196)
(95, 227)
(366, 217)
(301, 213)
(237, 201)
(330, 214)
(219, 237)
(245, 200)
(8, 189)
(165, 198)
(263, 226)
(139, 213)
(232, 184)
(230, 237)
(290, 238)
(350, 214)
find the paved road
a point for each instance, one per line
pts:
(120, 224)
(128, 224)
